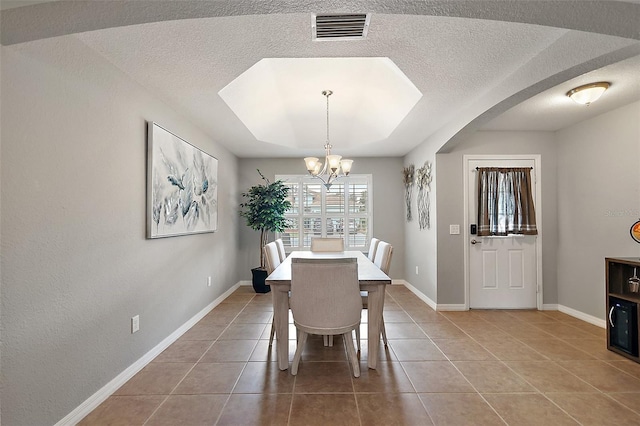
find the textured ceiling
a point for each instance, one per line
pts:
(469, 71)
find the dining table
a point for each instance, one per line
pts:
(371, 278)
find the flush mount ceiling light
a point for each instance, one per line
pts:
(588, 93)
(333, 164)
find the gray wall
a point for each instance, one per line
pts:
(388, 202)
(75, 262)
(599, 200)
(451, 206)
(421, 245)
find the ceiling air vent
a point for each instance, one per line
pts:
(340, 27)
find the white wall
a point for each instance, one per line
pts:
(76, 265)
(598, 201)
(387, 204)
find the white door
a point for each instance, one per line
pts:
(502, 270)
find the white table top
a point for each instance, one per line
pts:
(367, 271)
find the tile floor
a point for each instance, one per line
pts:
(441, 368)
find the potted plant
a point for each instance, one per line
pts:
(264, 209)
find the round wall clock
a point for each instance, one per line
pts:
(635, 231)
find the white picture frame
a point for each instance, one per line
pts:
(182, 186)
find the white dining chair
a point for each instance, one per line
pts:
(382, 260)
(281, 251)
(325, 300)
(327, 244)
(371, 254)
(272, 261)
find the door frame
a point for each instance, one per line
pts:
(537, 203)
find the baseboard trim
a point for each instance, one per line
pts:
(90, 404)
(550, 307)
(433, 305)
(582, 316)
(452, 307)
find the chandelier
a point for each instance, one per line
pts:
(333, 164)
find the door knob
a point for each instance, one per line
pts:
(474, 241)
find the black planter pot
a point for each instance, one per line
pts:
(259, 277)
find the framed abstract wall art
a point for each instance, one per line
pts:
(182, 186)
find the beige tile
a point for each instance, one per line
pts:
(594, 409)
(188, 410)
(528, 409)
(626, 365)
(387, 377)
(415, 350)
(243, 331)
(492, 376)
(392, 409)
(424, 314)
(463, 350)
(268, 409)
(481, 329)
(395, 316)
(436, 376)
(459, 409)
(204, 331)
(442, 330)
(510, 349)
(264, 352)
(253, 317)
(594, 347)
(184, 351)
(323, 377)
(123, 411)
(557, 350)
(562, 331)
(264, 377)
(631, 400)
(384, 353)
(521, 330)
(315, 350)
(229, 350)
(547, 376)
(208, 378)
(495, 316)
(404, 330)
(157, 378)
(534, 317)
(324, 409)
(241, 298)
(466, 316)
(603, 376)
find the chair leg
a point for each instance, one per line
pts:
(273, 333)
(351, 354)
(358, 338)
(302, 339)
(331, 340)
(384, 332)
(325, 340)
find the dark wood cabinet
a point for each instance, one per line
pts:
(623, 302)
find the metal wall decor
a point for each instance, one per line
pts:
(408, 173)
(423, 181)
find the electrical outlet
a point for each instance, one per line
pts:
(135, 324)
(454, 229)
(416, 270)
(208, 281)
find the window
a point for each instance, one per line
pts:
(505, 202)
(344, 210)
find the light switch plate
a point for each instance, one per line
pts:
(454, 229)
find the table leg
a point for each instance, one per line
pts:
(375, 307)
(281, 322)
